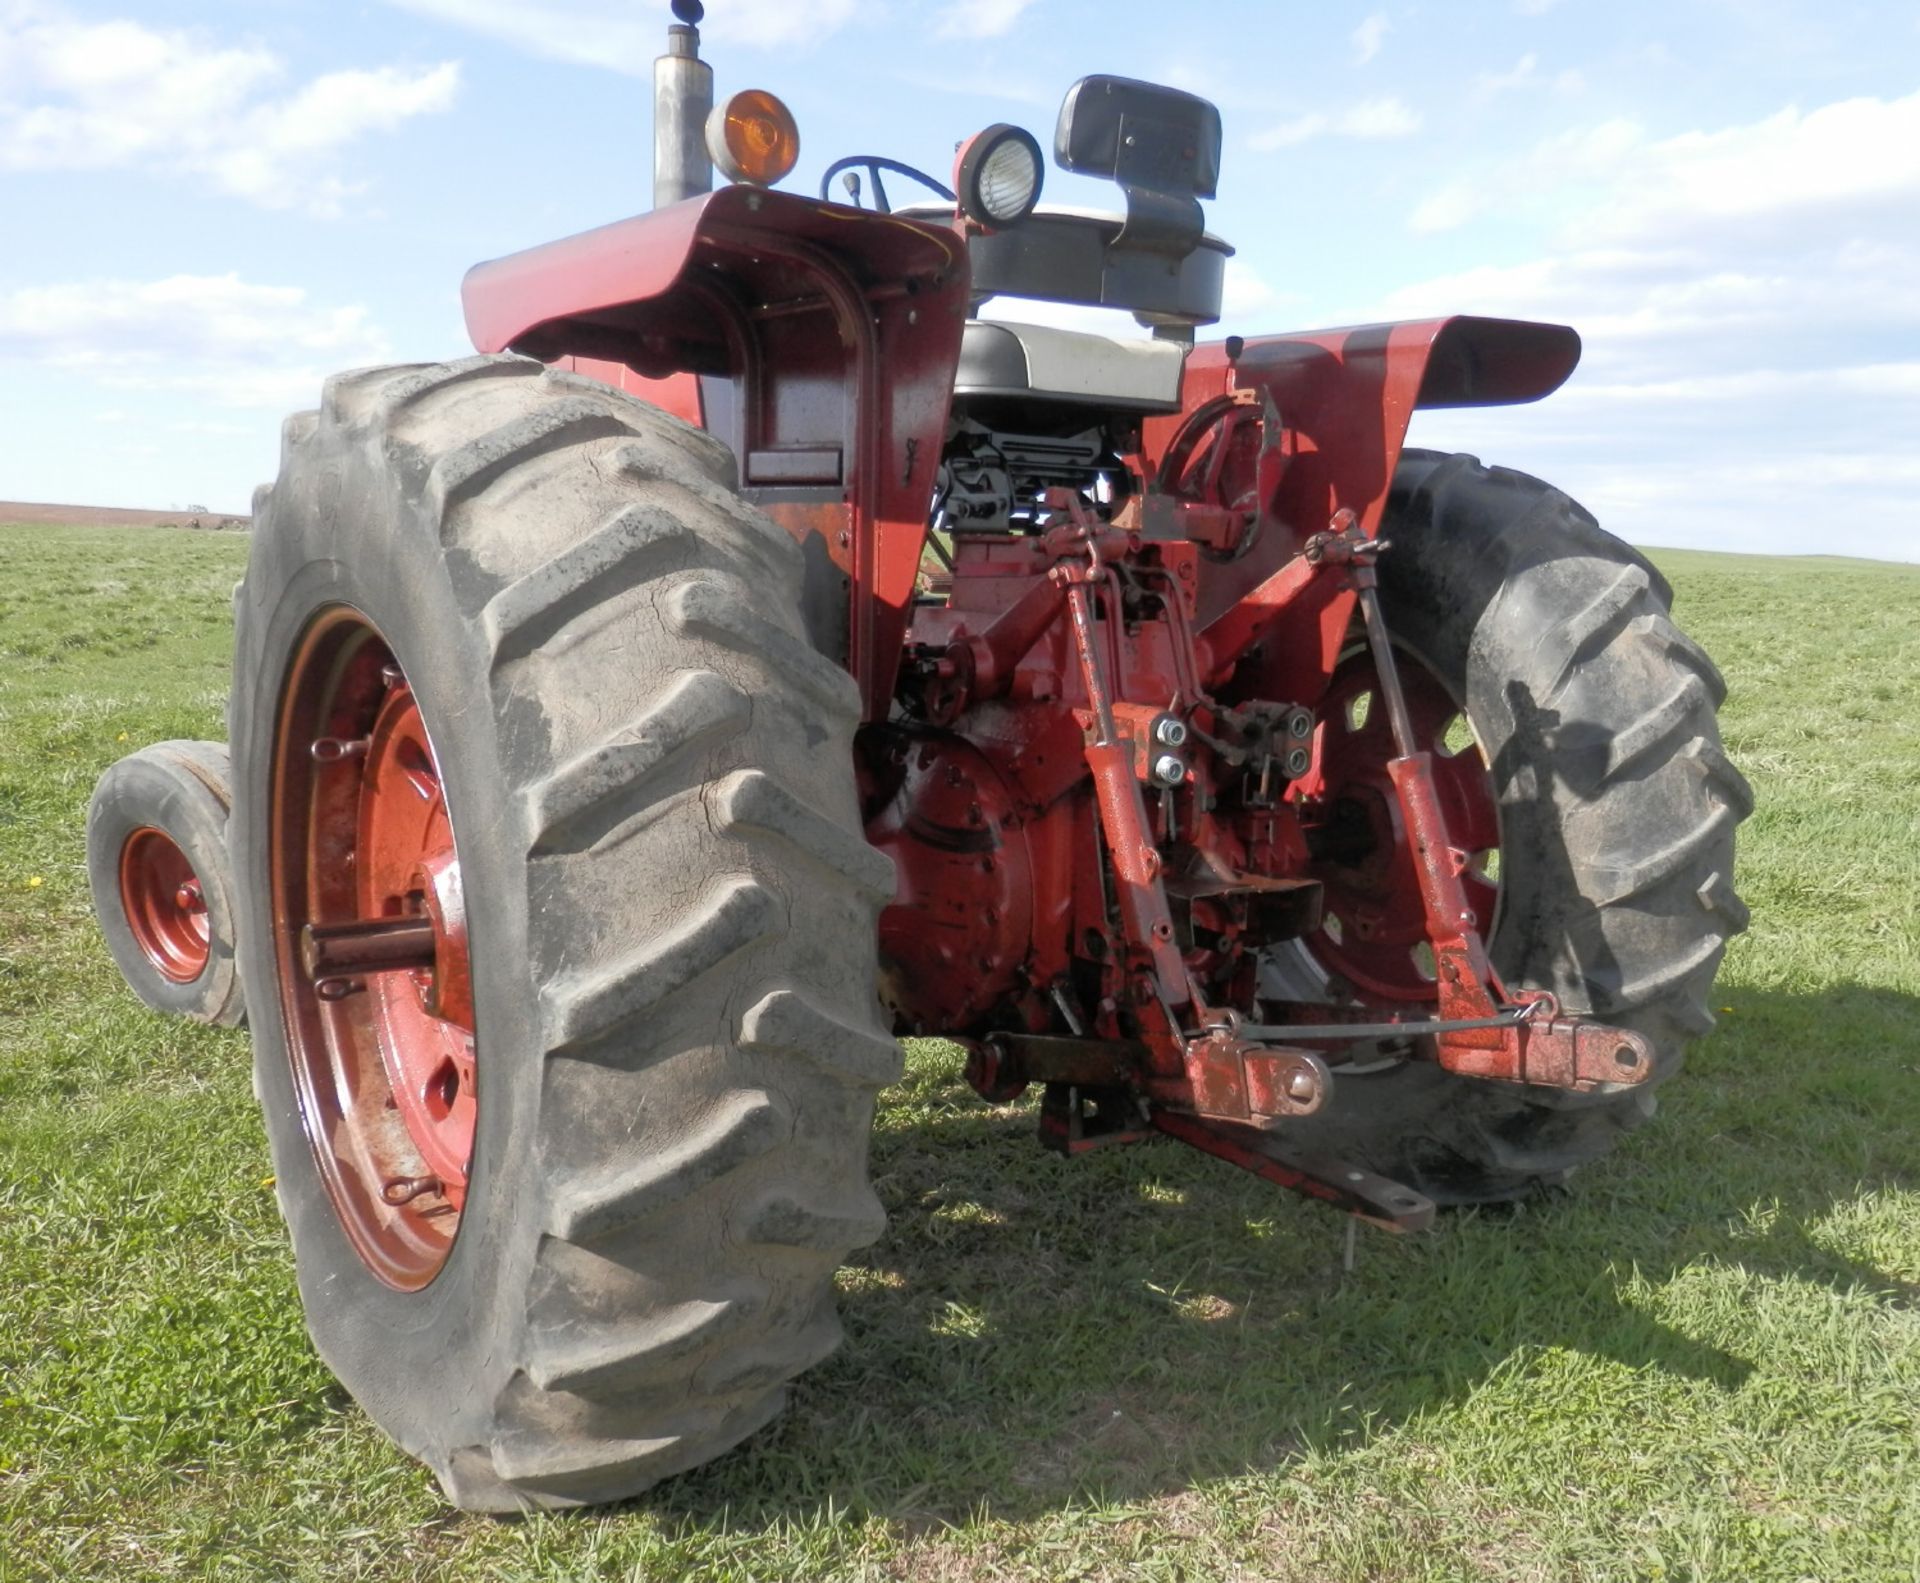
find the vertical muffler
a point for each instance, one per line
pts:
(682, 99)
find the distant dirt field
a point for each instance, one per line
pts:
(32, 515)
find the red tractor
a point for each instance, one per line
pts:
(752, 657)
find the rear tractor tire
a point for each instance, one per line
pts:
(162, 887)
(1599, 761)
(544, 648)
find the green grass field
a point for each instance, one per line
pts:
(1704, 1363)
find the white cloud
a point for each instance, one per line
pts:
(1446, 208)
(1710, 486)
(1780, 171)
(623, 36)
(1765, 384)
(218, 337)
(968, 19)
(1650, 309)
(1369, 36)
(1615, 182)
(1382, 117)
(1378, 118)
(1245, 290)
(1489, 83)
(1749, 298)
(78, 95)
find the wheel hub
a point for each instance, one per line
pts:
(375, 968)
(161, 899)
(1375, 930)
(405, 867)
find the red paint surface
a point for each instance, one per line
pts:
(166, 913)
(363, 833)
(1044, 878)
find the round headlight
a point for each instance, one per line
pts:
(998, 176)
(752, 137)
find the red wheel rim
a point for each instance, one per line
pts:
(1374, 934)
(164, 906)
(375, 974)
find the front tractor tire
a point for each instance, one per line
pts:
(593, 1249)
(1599, 779)
(162, 886)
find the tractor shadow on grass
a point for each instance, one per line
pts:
(1034, 1331)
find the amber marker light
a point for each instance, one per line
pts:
(752, 137)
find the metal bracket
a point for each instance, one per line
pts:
(1558, 1052)
(1230, 1078)
(1378, 1200)
(1076, 1120)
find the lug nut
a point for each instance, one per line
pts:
(1170, 731)
(1169, 769)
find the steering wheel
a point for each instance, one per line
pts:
(873, 164)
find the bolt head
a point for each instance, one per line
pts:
(1170, 731)
(1169, 769)
(1301, 1086)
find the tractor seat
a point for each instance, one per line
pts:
(1036, 362)
(1062, 254)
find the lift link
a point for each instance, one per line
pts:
(1123, 816)
(1216, 1073)
(1541, 1047)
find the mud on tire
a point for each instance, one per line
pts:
(1617, 814)
(671, 912)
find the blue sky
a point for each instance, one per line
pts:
(206, 208)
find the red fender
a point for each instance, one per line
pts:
(824, 340)
(1344, 398)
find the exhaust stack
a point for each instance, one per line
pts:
(682, 100)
